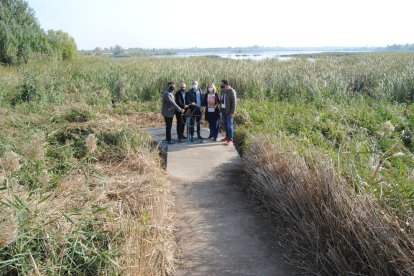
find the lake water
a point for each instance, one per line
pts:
(249, 55)
(253, 55)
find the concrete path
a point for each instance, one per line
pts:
(218, 229)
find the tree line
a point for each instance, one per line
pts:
(22, 38)
(400, 47)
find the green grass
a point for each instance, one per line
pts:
(371, 158)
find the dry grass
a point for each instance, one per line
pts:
(120, 190)
(331, 228)
(136, 194)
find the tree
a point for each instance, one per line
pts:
(117, 50)
(21, 35)
(20, 32)
(62, 44)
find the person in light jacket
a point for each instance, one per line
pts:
(168, 109)
(228, 102)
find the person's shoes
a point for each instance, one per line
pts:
(171, 142)
(199, 137)
(215, 139)
(225, 139)
(209, 137)
(183, 137)
(229, 143)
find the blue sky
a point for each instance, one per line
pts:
(222, 23)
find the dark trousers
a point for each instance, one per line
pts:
(168, 126)
(196, 121)
(180, 124)
(213, 124)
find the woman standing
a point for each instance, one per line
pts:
(212, 114)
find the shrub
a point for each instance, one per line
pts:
(62, 45)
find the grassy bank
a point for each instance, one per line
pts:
(338, 177)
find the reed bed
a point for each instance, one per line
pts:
(331, 228)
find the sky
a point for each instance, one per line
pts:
(228, 23)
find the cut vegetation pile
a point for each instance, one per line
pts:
(82, 196)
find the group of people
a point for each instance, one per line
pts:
(193, 103)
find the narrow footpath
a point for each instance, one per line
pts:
(218, 229)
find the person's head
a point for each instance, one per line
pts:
(183, 86)
(211, 88)
(171, 86)
(224, 84)
(194, 84)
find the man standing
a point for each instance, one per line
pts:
(228, 107)
(196, 101)
(168, 109)
(181, 100)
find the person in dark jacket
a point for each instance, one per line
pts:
(212, 115)
(168, 109)
(181, 100)
(196, 102)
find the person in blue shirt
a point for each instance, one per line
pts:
(196, 103)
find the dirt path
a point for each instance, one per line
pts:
(218, 229)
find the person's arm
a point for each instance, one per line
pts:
(232, 102)
(177, 99)
(203, 99)
(186, 103)
(170, 101)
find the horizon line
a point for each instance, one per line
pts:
(252, 46)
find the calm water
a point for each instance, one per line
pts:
(254, 55)
(249, 55)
